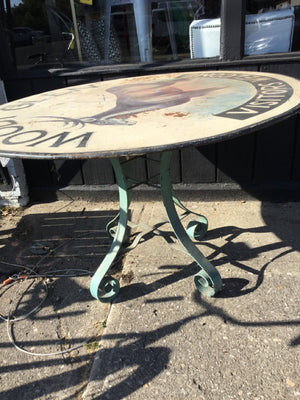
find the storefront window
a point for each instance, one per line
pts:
(58, 33)
(270, 27)
(62, 32)
(280, 26)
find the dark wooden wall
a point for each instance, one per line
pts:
(269, 158)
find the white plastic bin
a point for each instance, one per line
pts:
(268, 32)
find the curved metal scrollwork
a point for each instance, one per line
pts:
(106, 288)
(208, 280)
(195, 229)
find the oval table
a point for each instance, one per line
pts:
(132, 117)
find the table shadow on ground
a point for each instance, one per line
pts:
(51, 318)
(139, 353)
(282, 222)
(74, 238)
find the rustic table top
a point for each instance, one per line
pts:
(144, 114)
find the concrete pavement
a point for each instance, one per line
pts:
(161, 338)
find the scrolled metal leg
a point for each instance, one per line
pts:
(195, 229)
(208, 280)
(112, 226)
(106, 288)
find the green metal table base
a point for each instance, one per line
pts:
(106, 288)
(207, 280)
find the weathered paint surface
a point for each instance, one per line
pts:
(142, 114)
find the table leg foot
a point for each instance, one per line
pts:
(208, 280)
(106, 288)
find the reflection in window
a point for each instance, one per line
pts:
(94, 32)
(48, 32)
(270, 27)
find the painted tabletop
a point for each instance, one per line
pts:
(144, 114)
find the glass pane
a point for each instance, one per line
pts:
(43, 33)
(57, 33)
(95, 32)
(272, 26)
(181, 15)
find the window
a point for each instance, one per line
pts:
(59, 33)
(288, 12)
(269, 27)
(63, 32)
